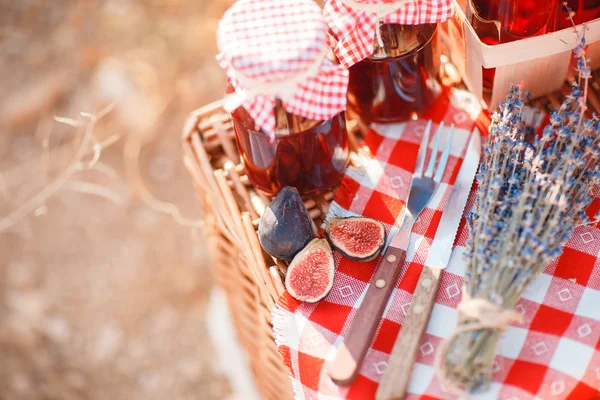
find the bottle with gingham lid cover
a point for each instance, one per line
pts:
(286, 97)
(391, 49)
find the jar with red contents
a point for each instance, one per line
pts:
(502, 21)
(583, 11)
(392, 50)
(306, 154)
(286, 98)
(400, 78)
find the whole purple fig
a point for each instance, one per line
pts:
(285, 227)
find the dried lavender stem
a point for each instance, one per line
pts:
(531, 195)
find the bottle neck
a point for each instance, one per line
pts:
(401, 40)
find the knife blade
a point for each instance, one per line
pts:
(395, 381)
(441, 247)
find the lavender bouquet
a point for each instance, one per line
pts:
(533, 192)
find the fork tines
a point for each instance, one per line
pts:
(422, 155)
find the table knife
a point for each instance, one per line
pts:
(396, 378)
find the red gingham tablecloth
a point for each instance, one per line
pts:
(554, 354)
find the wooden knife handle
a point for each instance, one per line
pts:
(394, 382)
(353, 349)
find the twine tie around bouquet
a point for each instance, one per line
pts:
(481, 314)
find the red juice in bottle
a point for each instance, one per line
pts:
(309, 155)
(583, 11)
(400, 78)
(502, 21)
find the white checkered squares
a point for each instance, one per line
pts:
(315, 338)
(492, 393)
(443, 321)
(390, 303)
(571, 358)
(438, 196)
(456, 265)
(292, 326)
(390, 131)
(538, 288)
(589, 304)
(298, 389)
(420, 378)
(367, 172)
(511, 342)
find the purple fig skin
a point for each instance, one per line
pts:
(285, 227)
(355, 257)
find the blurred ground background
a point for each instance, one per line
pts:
(103, 295)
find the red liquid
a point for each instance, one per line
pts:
(312, 158)
(399, 79)
(585, 11)
(502, 21)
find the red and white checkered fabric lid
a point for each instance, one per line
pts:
(354, 22)
(278, 49)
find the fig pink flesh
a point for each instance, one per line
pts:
(310, 278)
(358, 237)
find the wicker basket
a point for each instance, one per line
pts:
(252, 279)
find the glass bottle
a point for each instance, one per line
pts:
(584, 11)
(308, 155)
(502, 21)
(400, 78)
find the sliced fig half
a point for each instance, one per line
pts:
(309, 277)
(358, 238)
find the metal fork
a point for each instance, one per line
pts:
(350, 354)
(423, 185)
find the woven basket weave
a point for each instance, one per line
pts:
(252, 279)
